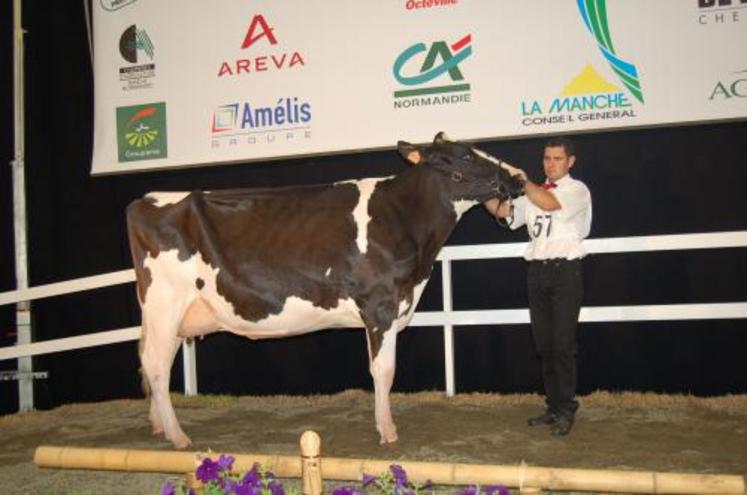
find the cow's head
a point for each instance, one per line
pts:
(475, 175)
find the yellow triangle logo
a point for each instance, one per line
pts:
(588, 81)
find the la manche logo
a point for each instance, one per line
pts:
(141, 132)
(260, 30)
(420, 92)
(588, 96)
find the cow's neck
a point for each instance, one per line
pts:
(423, 197)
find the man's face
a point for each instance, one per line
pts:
(556, 162)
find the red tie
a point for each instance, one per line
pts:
(549, 185)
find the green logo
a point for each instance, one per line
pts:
(141, 132)
(594, 13)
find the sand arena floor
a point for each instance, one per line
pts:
(613, 431)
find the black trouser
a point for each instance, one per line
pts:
(555, 292)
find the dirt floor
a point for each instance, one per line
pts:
(613, 431)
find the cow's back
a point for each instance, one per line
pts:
(249, 252)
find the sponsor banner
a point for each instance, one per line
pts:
(176, 86)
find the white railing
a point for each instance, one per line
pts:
(448, 318)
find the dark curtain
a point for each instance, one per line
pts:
(666, 180)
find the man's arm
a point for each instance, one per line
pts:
(541, 197)
(498, 209)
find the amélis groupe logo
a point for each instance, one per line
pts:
(141, 132)
(431, 74)
(249, 123)
(589, 96)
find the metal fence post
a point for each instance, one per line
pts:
(189, 359)
(448, 327)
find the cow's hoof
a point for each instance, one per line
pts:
(181, 442)
(386, 439)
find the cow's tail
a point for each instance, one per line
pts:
(144, 383)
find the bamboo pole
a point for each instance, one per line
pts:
(439, 473)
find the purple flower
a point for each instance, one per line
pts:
(168, 488)
(367, 479)
(253, 476)
(276, 488)
(400, 476)
(346, 490)
(493, 489)
(485, 490)
(208, 471)
(247, 489)
(470, 490)
(225, 462)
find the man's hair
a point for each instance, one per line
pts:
(561, 142)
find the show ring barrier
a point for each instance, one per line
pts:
(312, 468)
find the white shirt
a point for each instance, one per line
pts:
(559, 233)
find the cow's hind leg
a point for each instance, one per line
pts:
(154, 415)
(382, 370)
(161, 344)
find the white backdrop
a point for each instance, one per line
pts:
(199, 83)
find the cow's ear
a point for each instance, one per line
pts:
(410, 152)
(441, 138)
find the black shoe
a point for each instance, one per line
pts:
(546, 418)
(562, 426)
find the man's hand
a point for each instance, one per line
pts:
(504, 210)
(498, 209)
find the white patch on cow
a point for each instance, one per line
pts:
(329, 270)
(173, 289)
(461, 206)
(167, 198)
(300, 316)
(361, 216)
(509, 168)
(406, 311)
(174, 281)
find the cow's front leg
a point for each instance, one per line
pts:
(382, 370)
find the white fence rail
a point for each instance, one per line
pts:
(448, 318)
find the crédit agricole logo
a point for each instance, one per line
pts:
(589, 96)
(432, 75)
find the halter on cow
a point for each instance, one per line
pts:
(267, 263)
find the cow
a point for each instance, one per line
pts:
(277, 262)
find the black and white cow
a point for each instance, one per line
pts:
(267, 263)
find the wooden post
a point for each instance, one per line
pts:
(311, 469)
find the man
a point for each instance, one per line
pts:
(557, 214)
